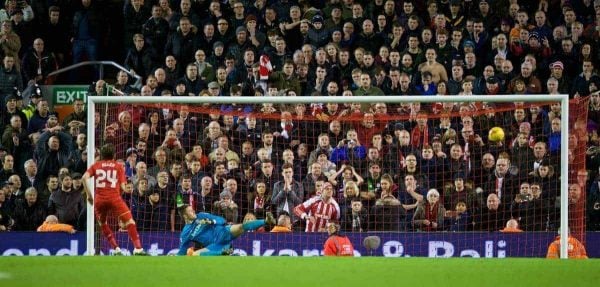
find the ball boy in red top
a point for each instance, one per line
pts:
(109, 180)
(337, 244)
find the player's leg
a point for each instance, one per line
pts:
(125, 217)
(100, 212)
(108, 234)
(238, 229)
(214, 250)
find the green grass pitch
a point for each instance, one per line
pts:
(294, 271)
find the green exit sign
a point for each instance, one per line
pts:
(66, 95)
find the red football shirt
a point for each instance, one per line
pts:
(108, 177)
(338, 246)
(322, 211)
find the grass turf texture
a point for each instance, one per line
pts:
(294, 271)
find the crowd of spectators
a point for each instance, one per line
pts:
(391, 166)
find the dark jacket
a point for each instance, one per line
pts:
(193, 86)
(49, 162)
(150, 217)
(134, 21)
(182, 47)
(74, 117)
(155, 33)
(142, 62)
(9, 80)
(28, 218)
(55, 38)
(532, 214)
(386, 217)
(37, 123)
(5, 116)
(317, 38)
(491, 220)
(581, 85)
(292, 198)
(66, 206)
(370, 42)
(8, 143)
(34, 63)
(94, 20)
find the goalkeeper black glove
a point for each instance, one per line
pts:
(207, 221)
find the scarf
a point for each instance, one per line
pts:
(416, 134)
(265, 67)
(431, 214)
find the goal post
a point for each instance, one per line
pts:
(94, 101)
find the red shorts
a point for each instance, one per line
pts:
(117, 206)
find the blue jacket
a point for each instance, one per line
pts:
(344, 154)
(554, 142)
(37, 123)
(460, 223)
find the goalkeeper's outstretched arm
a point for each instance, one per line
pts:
(218, 220)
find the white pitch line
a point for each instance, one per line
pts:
(4, 275)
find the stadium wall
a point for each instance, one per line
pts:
(489, 245)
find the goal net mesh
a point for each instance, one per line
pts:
(427, 179)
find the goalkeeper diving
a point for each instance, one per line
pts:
(211, 234)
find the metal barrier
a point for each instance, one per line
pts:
(138, 80)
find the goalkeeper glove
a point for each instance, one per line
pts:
(227, 251)
(207, 221)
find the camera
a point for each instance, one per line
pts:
(524, 197)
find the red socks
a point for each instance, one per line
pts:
(133, 234)
(109, 235)
(131, 230)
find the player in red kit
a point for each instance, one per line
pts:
(337, 244)
(319, 210)
(109, 180)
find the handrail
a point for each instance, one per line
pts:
(138, 79)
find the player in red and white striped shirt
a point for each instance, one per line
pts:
(319, 210)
